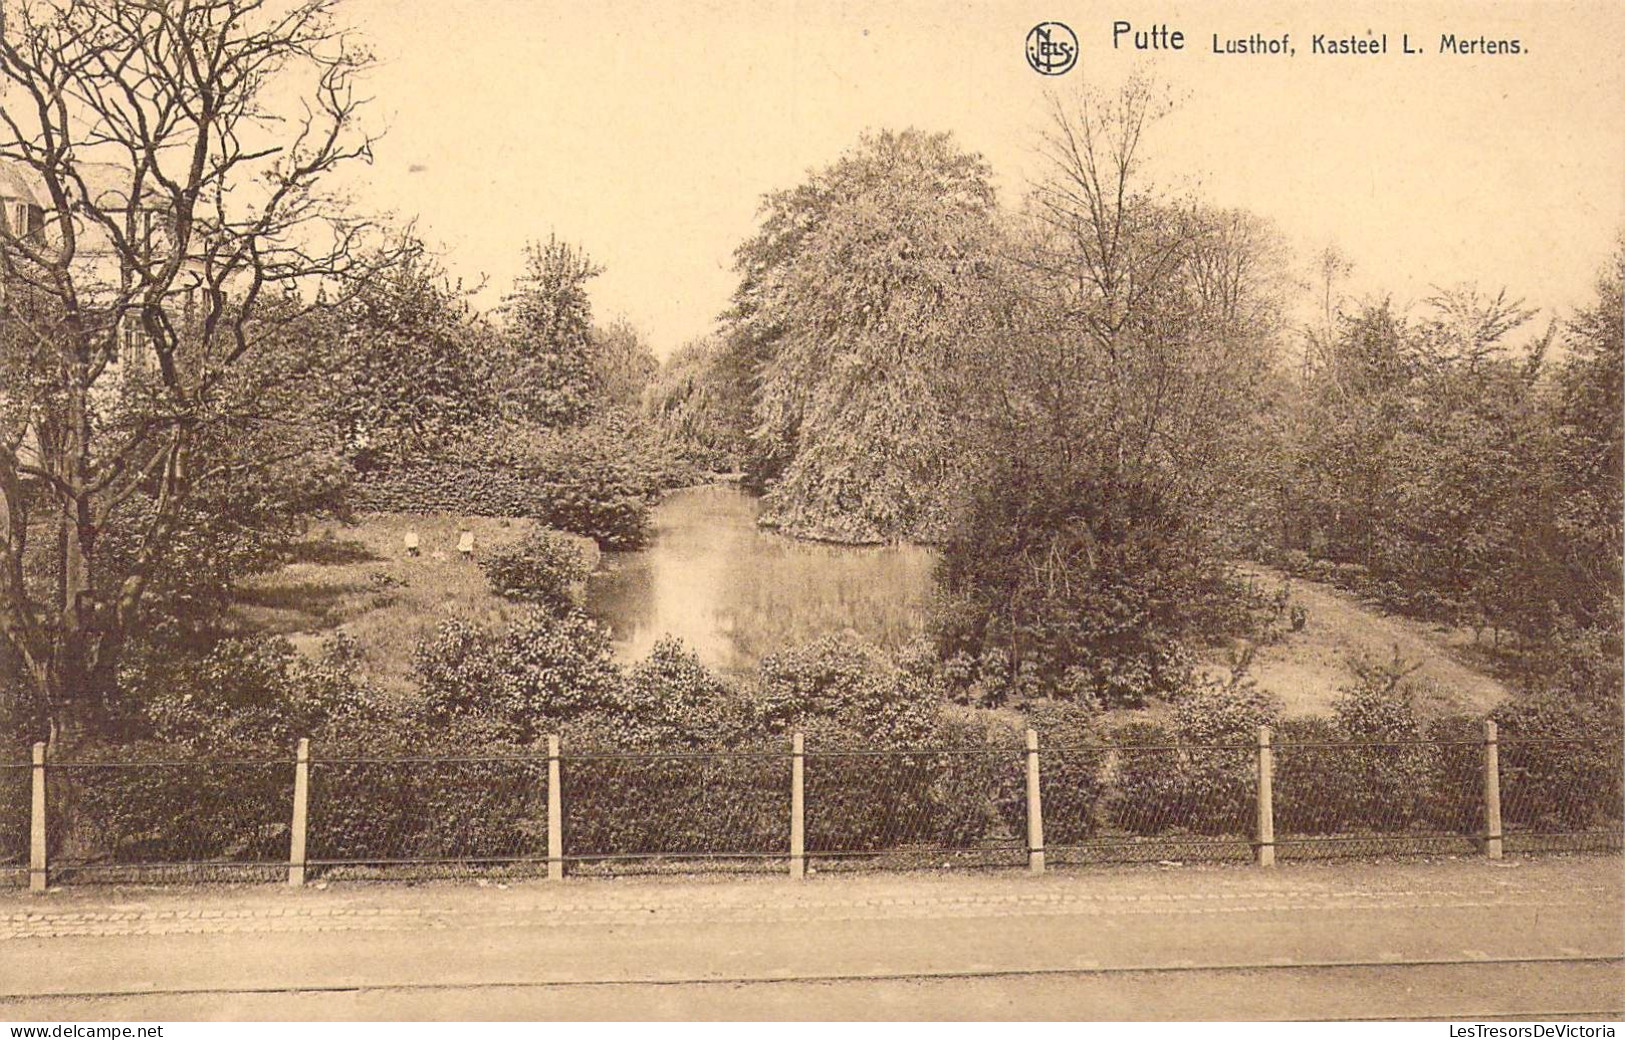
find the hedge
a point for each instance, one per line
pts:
(579, 502)
(964, 789)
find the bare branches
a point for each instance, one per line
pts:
(1110, 241)
(177, 154)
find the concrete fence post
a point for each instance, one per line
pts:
(555, 813)
(301, 814)
(1266, 799)
(38, 871)
(1035, 808)
(798, 807)
(1492, 792)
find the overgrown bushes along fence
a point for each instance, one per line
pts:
(689, 810)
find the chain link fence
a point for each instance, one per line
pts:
(1149, 803)
(651, 812)
(925, 807)
(371, 817)
(156, 820)
(911, 808)
(1561, 795)
(15, 793)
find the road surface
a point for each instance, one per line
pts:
(1463, 939)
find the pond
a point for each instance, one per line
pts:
(735, 593)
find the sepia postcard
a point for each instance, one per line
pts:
(790, 511)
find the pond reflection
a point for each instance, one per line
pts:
(735, 593)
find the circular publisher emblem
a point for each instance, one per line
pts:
(1052, 48)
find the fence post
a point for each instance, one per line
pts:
(1492, 792)
(1266, 799)
(38, 871)
(798, 808)
(555, 813)
(301, 814)
(1035, 808)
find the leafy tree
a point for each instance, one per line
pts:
(855, 295)
(625, 364)
(702, 408)
(549, 316)
(1109, 411)
(413, 366)
(1588, 508)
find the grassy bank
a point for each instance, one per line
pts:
(360, 579)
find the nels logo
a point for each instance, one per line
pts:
(1052, 48)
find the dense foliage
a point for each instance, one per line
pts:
(635, 785)
(1126, 413)
(854, 297)
(544, 568)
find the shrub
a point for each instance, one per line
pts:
(1560, 764)
(15, 794)
(1387, 786)
(1309, 783)
(366, 810)
(543, 670)
(1223, 778)
(1074, 762)
(1057, 572)
(675, 803)
(142, 802)
(1198, 775)
(597, 480)
(978, 795)
(846, 690)
(223, 724)
(843, 695)
(1152, 791)
(671, 700)
(543, 568)
(722, 803)
(1456, 801)
(254, 693)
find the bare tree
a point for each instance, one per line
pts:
(171, 158)
(1162, 311)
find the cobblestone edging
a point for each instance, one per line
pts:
(44, 924)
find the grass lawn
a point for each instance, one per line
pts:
(359, 579)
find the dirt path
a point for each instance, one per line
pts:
(1308, 669)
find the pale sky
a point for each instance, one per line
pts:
(647, 131)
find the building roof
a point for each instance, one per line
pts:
(108, 184)
(17, 183)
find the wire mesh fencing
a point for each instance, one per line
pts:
(16, 787)
(1337, 799)
(1138, 803)
(1561, 794)
(927, 807)
(693, 811)
(434, 816)
(154, 820)
(161, 819)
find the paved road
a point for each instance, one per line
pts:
(1457, 938)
